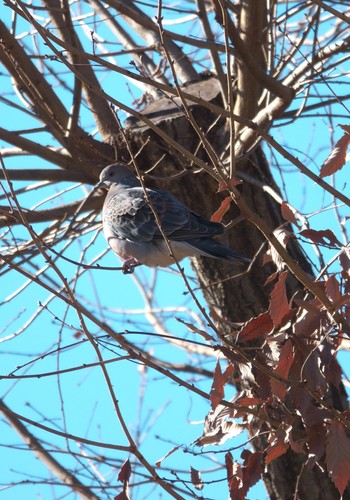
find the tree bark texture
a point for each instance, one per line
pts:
(241, 298)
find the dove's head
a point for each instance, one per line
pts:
(118, 173)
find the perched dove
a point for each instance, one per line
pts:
(132, 232)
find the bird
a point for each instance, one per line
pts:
(138, 237)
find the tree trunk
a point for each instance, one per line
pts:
(238, 299)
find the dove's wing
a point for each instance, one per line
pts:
(128, 214)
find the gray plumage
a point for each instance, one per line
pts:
(131, 230)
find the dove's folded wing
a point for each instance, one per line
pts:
(131, 217)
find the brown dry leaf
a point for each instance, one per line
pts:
(252, 468)
(288, 213)
(78, 334)
(225, 186)
(196, 479)
(321, 237)
(242, 478)
(312, 369)
(316, 444)
(217, 392)
(333, 289)
(279, 307)
(272, 278)
(220, 212)
(234, 478)
(332, 370)
(338, 455)
(123, 477)
(247, 401)
(283, 235)
(282, 369)
(346, 128)
(345, 263)
(230, 369)
(125, 472)
(255, 328)
(274, 451)
(123, 495)
(336, 160)
(218, 427)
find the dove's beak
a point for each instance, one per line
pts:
(100, 185)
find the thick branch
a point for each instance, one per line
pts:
(274, 86)
(61, 159)
(40, 174)
(30, 80)
(253, 30)
(101, 111)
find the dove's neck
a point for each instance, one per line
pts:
(129, 181)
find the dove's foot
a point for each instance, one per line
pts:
(129, 265)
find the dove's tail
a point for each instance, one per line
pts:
(208, 247)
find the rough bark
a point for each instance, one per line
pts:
(234, 299)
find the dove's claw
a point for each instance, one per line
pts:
(129, 265)
(128, 269)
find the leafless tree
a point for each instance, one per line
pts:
(218, 102)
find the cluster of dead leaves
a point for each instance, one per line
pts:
(290, 373)
(291, 370)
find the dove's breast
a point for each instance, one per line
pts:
(151, 253)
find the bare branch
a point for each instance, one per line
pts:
(45, 457)
(146, 28)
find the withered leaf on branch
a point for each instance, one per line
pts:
(218, 427)
(123, 477)
(279, 443)
(220, 212)
(321, 237)
(125, 472)
(123, 495)
(336, 160)
(331, 368)
(316, 444)
(234, 478)
(217, 392)
(276, 450)
(247, 401)
(338, 455)
(242, 477)
(307, 365)
(279, 307)
(229, 371)
(225, 186)
(333, 289)
(286, 358)
(255, 328)
(288, 213)
(252, 467)
(196, 479)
